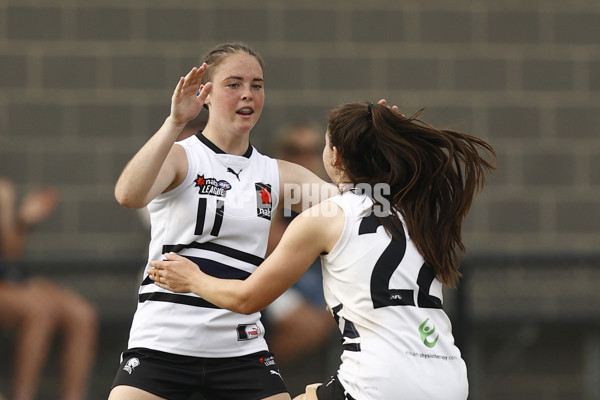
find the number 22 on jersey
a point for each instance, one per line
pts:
(381, 294)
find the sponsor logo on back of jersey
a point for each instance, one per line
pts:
(427, 330)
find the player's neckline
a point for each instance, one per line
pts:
(217, 149)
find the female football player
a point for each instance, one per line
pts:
(388, 242)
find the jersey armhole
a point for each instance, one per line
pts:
(343, 240)
(275, 192)
(188, 176)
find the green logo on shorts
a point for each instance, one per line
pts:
(426, 330)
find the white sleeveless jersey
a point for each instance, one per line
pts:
(397, 340)
(220, 218)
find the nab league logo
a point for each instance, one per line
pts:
(268, 361)
(131, 364)
(212, 186)
(264, 201)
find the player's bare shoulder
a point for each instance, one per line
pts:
(323, 222)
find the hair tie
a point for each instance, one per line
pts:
(369, 111)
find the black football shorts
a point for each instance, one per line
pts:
(175, 377)
(333, 390)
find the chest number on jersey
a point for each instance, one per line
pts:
(201, 215)
(381, 294)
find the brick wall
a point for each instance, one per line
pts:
(85, 83)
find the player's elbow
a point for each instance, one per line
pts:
(245, 303)
(125, 199)
(245, 309)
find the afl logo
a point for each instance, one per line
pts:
(225, 185)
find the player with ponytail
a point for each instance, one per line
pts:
(388, 243)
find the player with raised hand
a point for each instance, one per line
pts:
(210, 198)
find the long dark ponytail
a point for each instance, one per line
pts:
(433, 175)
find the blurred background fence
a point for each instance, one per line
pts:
(84, 83)
(529, 325)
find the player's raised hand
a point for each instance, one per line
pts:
(188, 97)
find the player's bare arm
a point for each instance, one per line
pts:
(312, 233)
(159, 166)
(300, 188)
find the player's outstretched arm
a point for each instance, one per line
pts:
(313, 232)
(158, 166)
(300, 188)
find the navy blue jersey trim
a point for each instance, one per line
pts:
(216, 149)
(351, 347)
(212, 268)
(175, 298)
(219, 270)
(217, 248)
